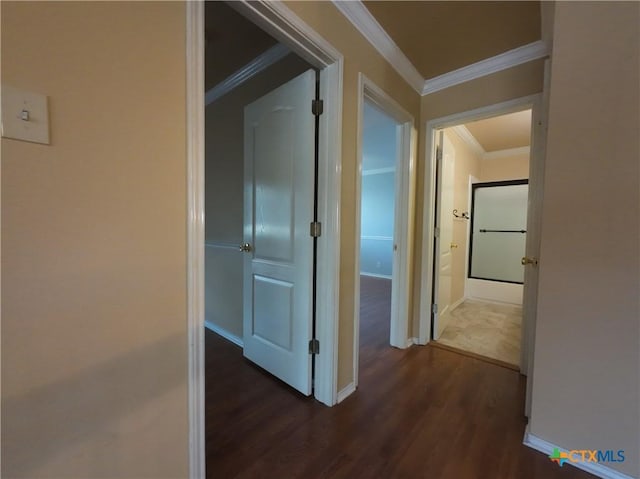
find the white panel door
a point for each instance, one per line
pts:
(279, 136)
(444, 224)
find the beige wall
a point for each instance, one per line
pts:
(520, 81)
(508, 168)
(94, 344)
(224, 196)
(585, 382)
(360, 56)
(466, 163)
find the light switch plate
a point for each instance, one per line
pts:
(25, 115)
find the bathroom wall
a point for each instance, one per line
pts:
(514, 167)
(468, 163)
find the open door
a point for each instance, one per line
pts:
(279, 155)
(444, 233)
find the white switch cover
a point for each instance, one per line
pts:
(25, 115)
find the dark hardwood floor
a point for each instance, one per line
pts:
(421, 412)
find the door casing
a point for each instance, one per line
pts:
(277, 19)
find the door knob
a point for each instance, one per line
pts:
(245, 248)
(453, 245)
(526, 260)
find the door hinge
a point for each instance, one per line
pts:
(434, 308)
(314, 346)
(438, 154)
(317, 107)
(315, 229)
(436, 232)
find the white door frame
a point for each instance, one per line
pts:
(403, 218)
(536, 176)
(287, 27)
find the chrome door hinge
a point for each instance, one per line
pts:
(314, 346)
(317, 107)
(315, 229)
(436, 232)
(438, 154)
(434, 308)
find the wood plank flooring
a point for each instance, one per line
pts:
(422, 412)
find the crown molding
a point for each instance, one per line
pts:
(365, 22)
(466, 136)
(251, 69)
(495, 155)
(511, 58)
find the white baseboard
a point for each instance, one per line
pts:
(374, 275)
(456, 304)
(345, 392)
(224, 333)
(597, 469)
(509, 293)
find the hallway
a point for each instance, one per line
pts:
(419, 412)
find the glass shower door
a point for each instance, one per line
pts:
(498, 232)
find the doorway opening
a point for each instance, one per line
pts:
(384, 225)
(482, 170)
(288, 29)
(472, 285)
(380, 135)
(268, 177)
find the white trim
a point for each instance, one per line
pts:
(377, 238)
(403, 216)
(539, 117)
(376, 275)
(224, 333)
(214, 244)
(379, 171)
(365, 22)
(251, 69)
(411, 342)
(466, 136)
(278, 20)
(426, 274)
(503, 61)
(456, 304)
(346, 391)
(195, 234)
(496, 155)
(284, 25)
(494, 291)
(546, 447)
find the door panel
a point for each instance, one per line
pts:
(444, 218)
(278, 268)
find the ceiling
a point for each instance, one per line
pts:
(439, 37)
(502, 132)
(232, 41)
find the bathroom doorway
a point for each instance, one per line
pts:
(482, 171)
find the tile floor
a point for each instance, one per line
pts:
(487, 329)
